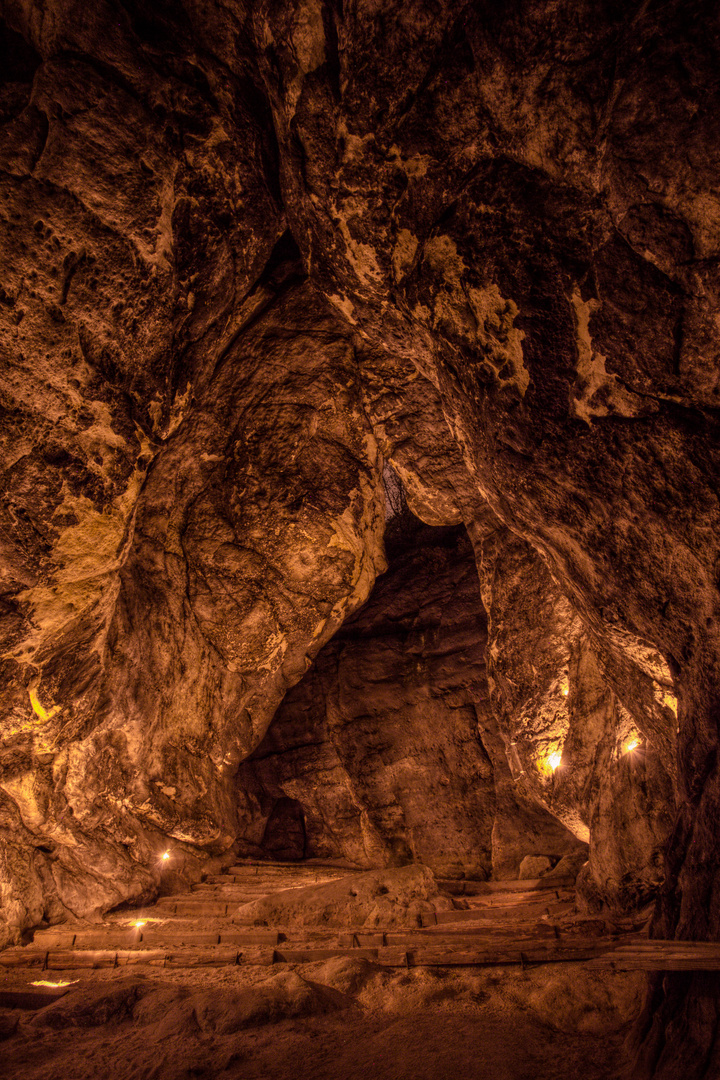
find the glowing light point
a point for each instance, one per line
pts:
(630, 745)
(139, 923)
(165, 856)
(554, 760)
(44, 982)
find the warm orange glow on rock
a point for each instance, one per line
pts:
(45, 982)
(549, 762)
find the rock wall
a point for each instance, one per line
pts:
(383, 743)
(190, 484)
(572, 745)
(517, 203)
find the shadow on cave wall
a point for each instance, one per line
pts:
(397, 745)
(388, 748)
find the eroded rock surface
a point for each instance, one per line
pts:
(388, 747)
(521, 203)
(386, 898)
(571, 743)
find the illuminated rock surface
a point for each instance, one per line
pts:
(254, 251)
(388, 745)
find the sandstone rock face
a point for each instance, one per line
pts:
(392, 897)
(149, 319)
(571, 743)
(379, 743)
(507, 212)
(383, 743)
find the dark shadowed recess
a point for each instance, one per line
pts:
(388, 748)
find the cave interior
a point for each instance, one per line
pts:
(360, 539)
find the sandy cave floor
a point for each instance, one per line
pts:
(337, 1020)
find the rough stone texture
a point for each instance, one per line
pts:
(534, 866)
(391, 897)
(519, 200)
(567, 731)
(149, 318)
(381, 745)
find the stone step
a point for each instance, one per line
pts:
(266, 885)
(167, 934)
(480, 914)
(306, 866)
(301, 879)
(524, 885)
(54, 938)
(196, 907)
(230, 888)
(519, 912)
(500, 902)
(646, 956)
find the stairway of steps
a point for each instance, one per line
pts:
(489, 923)
(219, 895)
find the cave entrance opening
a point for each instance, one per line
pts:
(387, 753)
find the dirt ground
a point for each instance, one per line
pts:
(338, 1020)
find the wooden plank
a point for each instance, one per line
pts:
(442, 917)
(460, 886)
(173, 936)
(670, 944)
(131, 957)
(658, 955)
(106, 939)
(297, 954)
(392, 957)
(249, 937)
(427, 957)
(520, 901)
(23, 956)
(54, 938)
(362, 939)
(59, 959)
(447, 939)
(657, 963)
(218, 957)
(510, 917)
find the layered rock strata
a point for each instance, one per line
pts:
(383, 744)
